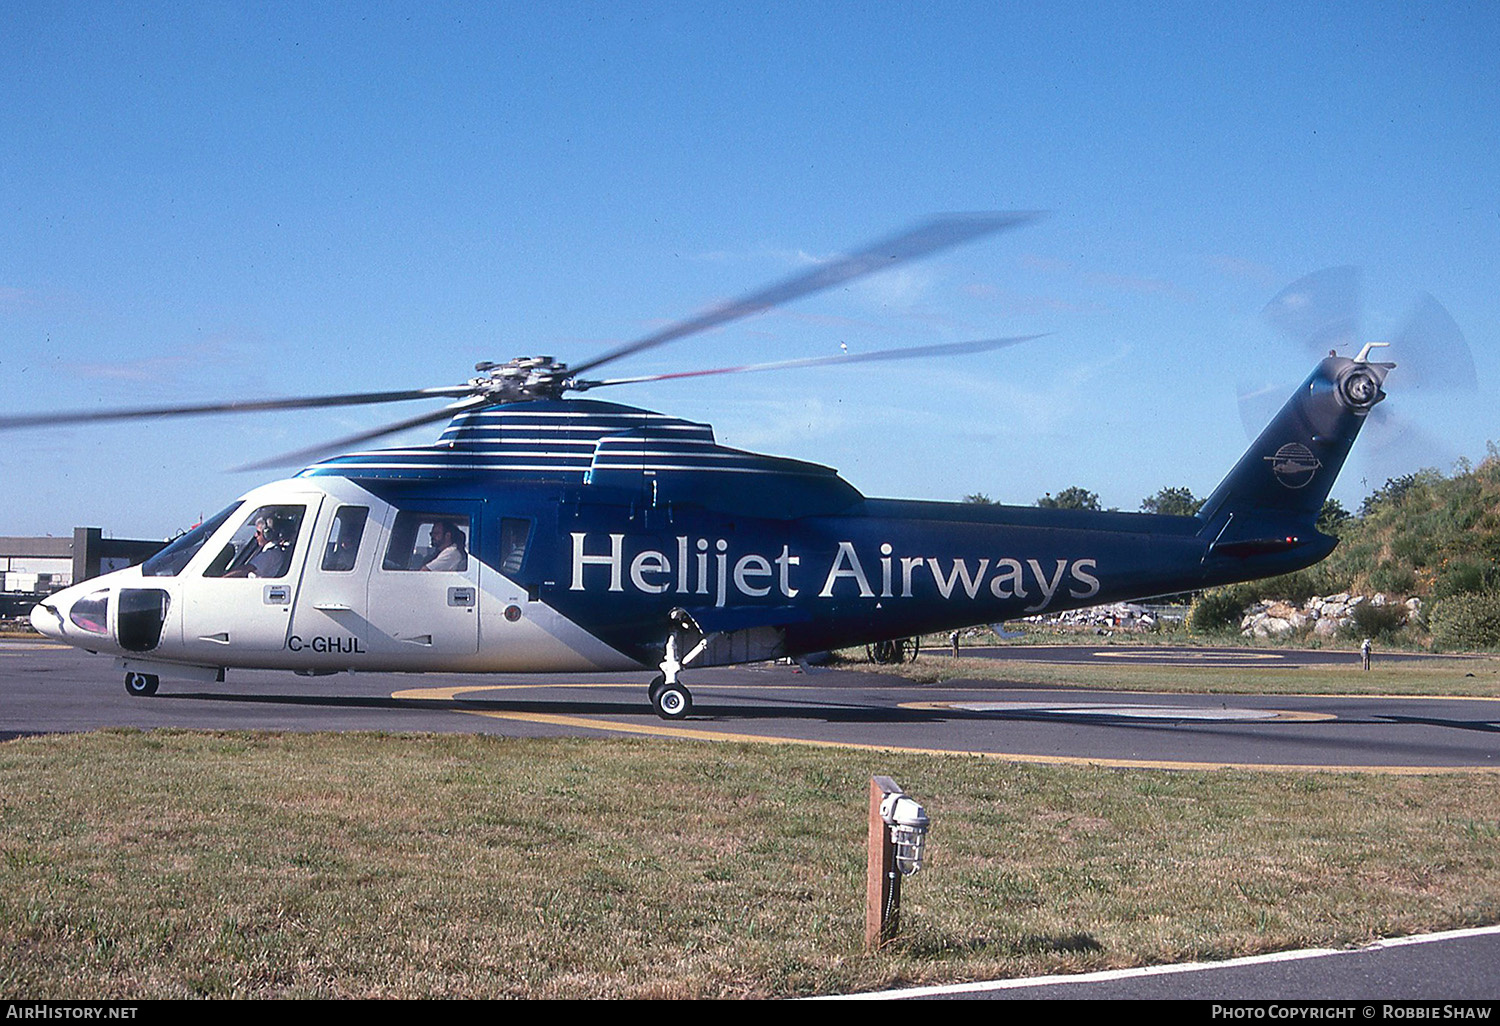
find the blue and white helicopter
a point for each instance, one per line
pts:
(549, 534)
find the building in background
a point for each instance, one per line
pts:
(31, 568)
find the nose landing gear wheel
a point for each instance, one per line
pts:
(139, 685)
(671, 701)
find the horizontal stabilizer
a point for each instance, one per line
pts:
(1254, 546)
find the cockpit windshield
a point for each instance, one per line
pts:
(170, 560)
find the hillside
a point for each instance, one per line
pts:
(1427, 536)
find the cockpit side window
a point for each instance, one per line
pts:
(428, 541)
(262, 547)
(343, 538)
(170, 560)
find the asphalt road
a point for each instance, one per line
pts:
(1449, 973)
(46, 688)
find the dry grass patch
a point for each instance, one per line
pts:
(175, 864)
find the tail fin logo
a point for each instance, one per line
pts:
(1294, 465)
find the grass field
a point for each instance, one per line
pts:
(170, 864)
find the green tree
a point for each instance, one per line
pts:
(979, 499)
(1218, 610)
(1392, 493)
(1467, 621)
(1070, 498)
(1333, 518)
(1174, 501)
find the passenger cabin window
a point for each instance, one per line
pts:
(428, 541)
(262, 547)
(343, 538)
(513, 537)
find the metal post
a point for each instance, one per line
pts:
(882, 881)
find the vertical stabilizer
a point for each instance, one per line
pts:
(1282, 481)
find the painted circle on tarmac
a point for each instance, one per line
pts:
(1187, 657)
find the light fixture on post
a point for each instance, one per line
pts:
(898, 830)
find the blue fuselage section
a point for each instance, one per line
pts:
(618, 565)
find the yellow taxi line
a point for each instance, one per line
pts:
(696, 734)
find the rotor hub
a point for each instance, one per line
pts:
(1359, 385)
(525, 377)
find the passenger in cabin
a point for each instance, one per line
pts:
(447, 547)
(341, 554)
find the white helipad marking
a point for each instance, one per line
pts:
(1126, 711)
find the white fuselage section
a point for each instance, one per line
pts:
(346, 581)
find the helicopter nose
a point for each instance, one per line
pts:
(76, 615)
(47, 620)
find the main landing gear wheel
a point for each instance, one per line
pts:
(671, 701)
(898, 650)
(140, 685)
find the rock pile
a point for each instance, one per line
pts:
(1121, 615)
(1327, 615)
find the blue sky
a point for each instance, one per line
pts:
(207, 201)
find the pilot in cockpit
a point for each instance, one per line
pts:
(250, 549)
(274, 554)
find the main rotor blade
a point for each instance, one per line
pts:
(926, 238)
(313, 453)
(232, 406)
(910, 353)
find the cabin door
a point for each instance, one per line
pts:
(240, 608)
(330, 628)
(424, 588)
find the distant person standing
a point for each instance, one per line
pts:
(953, 640)
(1364, 653)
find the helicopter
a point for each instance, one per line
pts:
(548, 533)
